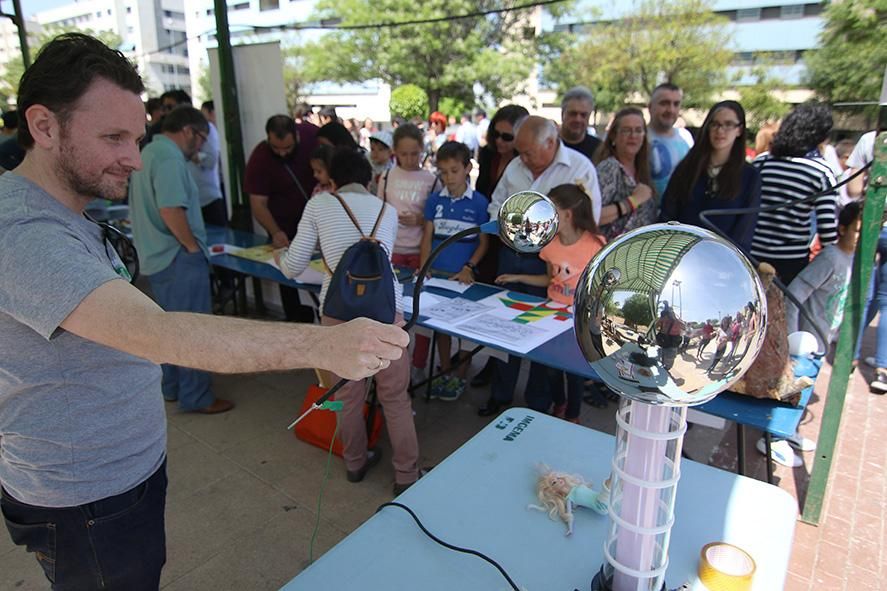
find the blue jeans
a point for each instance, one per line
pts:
(184, 287)
(505, 375)
(115, 543)
(877, 295)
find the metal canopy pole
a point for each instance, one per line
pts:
(19, 20)
(872, 215)
(241, 217)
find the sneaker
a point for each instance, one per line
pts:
(879, 384)
(780, 452)
(452, 389)
(801, 443)
(374, 456)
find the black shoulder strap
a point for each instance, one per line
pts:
(385, 187)
(296, 180)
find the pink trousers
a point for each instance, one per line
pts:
(397, 407)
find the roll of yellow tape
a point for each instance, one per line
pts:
(725, 567)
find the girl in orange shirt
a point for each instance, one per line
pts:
(576, 243)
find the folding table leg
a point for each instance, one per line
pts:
(740, 448)
(430, 366)
(768, 440)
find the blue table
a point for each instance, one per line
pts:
(478, 497)
(774, 419)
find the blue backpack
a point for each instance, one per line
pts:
(363, 283)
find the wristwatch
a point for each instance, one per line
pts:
(471, 266)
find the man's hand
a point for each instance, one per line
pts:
(360, 348)
(279, 239)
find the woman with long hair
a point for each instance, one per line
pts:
(623, 171)
(792, 170)
(715, 175)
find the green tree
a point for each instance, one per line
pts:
(760, 102)
(15, 67)
(408, 101)
(677, 41)
(204, 84)
(446, 59)
(849, 63)
(452, 107)
(636, 310)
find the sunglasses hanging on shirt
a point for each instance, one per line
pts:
(120, 250)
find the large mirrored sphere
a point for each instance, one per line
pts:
(670, 314)
(527, 221)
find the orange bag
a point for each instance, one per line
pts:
(318, 427)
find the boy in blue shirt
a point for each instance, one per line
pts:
(455, 208)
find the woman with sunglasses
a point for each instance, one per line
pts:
(715, 175)
(623, 169)
(499, 151)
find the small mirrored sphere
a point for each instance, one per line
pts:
(670, 314)
(527, 221)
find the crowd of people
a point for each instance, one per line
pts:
(85, 434)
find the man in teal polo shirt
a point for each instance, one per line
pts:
(170, 237)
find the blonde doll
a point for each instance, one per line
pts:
(558, 492)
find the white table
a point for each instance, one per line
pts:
(477, 498)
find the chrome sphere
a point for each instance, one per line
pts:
(527, 221)
(670, 314)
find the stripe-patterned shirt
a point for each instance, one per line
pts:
(786, 233)
(326, 223)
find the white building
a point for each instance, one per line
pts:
(10, 48)
(153, 33)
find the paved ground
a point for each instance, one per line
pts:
(243, 491)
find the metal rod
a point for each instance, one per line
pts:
(850, 328)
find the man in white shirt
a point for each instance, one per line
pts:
(668, 144)
(467, 133)
(544, 163)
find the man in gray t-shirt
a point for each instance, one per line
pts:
(82, 423)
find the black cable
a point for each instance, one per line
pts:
(422, 21)
(383, 25)
(451, 546)
(703, 216)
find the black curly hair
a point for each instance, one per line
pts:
(802, 130)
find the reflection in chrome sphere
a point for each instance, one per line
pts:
(527, 221)
(670, 314)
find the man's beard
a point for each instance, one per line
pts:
(69, 169)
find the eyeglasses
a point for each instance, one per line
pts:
(120, 250)
(632, 131)
(506, 137)
(727, 126)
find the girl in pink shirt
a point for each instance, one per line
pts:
(576, 243)
(406, 187)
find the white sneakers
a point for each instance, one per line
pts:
(781, 449)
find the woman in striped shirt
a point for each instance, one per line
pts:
(792, 170)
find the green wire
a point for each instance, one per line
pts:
(326, 475)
